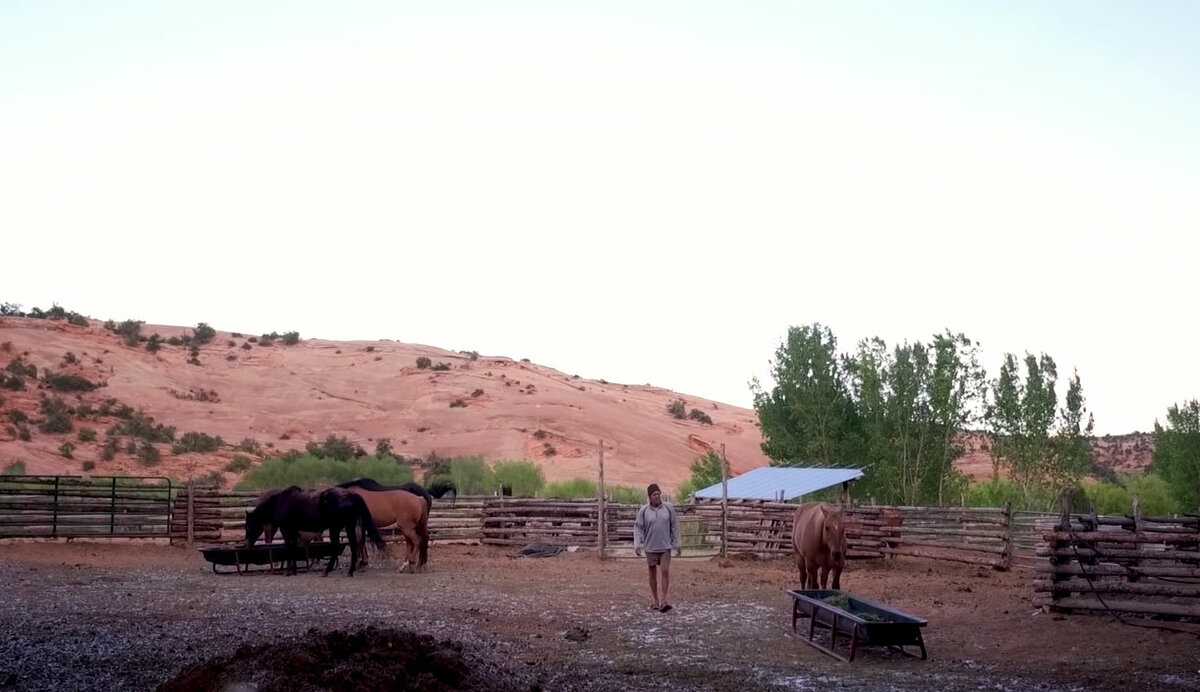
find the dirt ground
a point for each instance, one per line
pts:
(121, 616)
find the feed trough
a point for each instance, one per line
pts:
(860, 621)
(265, 556)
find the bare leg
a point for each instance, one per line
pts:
(654, 586)
(666, 583)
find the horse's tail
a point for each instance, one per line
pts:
(368, 524)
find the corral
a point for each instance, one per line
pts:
(134, 613)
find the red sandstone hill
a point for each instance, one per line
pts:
(285, 396)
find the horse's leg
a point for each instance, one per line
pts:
(837, 576)
(423, 534)
(413, 541)
(361, 532)
(291, 542)
(352, 539)
(334, 540)
(823, 576)
(811, 572)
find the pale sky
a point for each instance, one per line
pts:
(643, 192)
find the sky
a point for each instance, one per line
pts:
(647, 192)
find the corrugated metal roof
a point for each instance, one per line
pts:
(767, 482)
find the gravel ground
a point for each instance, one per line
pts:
(130, 617)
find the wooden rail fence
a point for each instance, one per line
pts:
(81, 507)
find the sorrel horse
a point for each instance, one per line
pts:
(819, 543)
(293, 510)
(406, 507)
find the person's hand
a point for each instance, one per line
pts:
(637, 551)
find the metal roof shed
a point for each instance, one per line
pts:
(780, 484)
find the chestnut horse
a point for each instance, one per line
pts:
(819, 542)
(404, 507)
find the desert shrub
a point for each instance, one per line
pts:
(154, 343)
(472, 476)
(471, 355)
(698, 415)
(15, 468)
(14, 383)
(548, 449)
(308, 471)
(76, 319)
(249, 445)
(69, 358)
(231, 343)
(677, 409)
(20, 368)
(574, 489)
(11, 310)
(68, 383)
(131, 447)
(458, 403)
(109, 451)
(57, 416)
(441, 367)
(625, 495)
(253, 339)
(130, 331)
(89, 465)
(87, 435)
(84, 410)
(203, 334)
(175, 341)
(6, 347)
(148, 454)
(477, 393)
(239, 464)
(540, 434)
(334, 447)
(423, 363)
(231, 357)
(142, 426)
(246, 346)
(110, 325)
(524, 478)
(66, 449)
(236, 335)
(291, 338)
(17, 417)
(197, 442)
(267, 339)
(383, 448)
(524, 360)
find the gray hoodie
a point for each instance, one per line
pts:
(656, 530)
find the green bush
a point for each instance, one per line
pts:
(148, 454)
(472, 476)
(291, 338)
(677, 409)
(997, 493)
(20, 368)
(130, 331)
(23, 433)
(698, 415)
(424, 363)
(17, 416)
(309, 471)
(441, 367)
(574, 489)
(239, 464)
(334, 447)
(69, 358)
(87, 435)
(246, 346)
(1153, 494)
(58, 416)
(625, 495)
(89, 465)
(524, 478)
(1107, 498)
(109, 451)
(66, 449)
(76, 319)
(250, 446)
(154, 343)
(383, 448)
(68, 383)
(175, 341)
(142, 426)
(203, 334)
(14, 383)
(197, 442)
(16, 468)
(458, 403)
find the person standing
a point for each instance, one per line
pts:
(656, 531)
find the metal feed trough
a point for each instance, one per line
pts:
(245, 560)
(861, 622)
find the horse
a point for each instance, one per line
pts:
(819, 543)
(268, 531)
(293, 510)
(406, 507)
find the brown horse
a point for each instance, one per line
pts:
(404, 507)
(268, 531)
(819, 542)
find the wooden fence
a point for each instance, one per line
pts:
(1134, 564)
(79, 507)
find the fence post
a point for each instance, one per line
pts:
(602, 510)
(724, 505)
(54, 524)
(1137, 529)
(1007, 558)
(112, 510)
(191, 514)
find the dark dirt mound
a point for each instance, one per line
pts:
(370, 658)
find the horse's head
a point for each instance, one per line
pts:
(254, 527)
(832, 534)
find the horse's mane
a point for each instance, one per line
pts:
(268, 500)
(374, 485)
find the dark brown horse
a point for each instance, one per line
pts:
(819, 543)
(404, 507)
(293, 510)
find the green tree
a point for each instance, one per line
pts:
(706, 471)
(1177, 453)
(808, 417)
